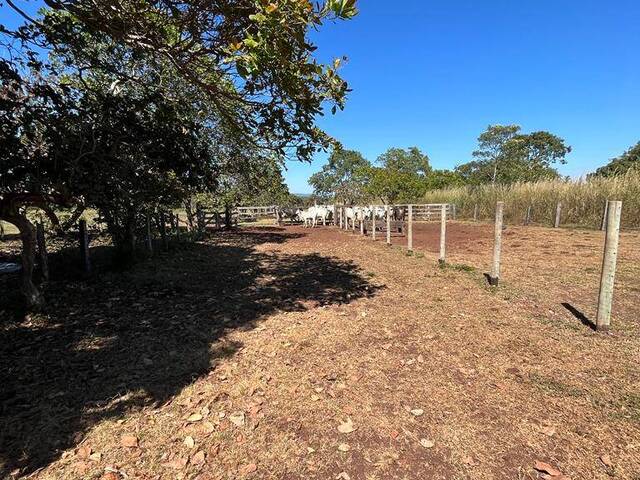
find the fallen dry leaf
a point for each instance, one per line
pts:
(198, 458)
(346, 427)
(110, 476)
(189, 442)
(178, 463)
(208, 428)
(247, 469)
(546, 468)
(427, 443)
(237, 418)
(84, 452)
(344, 447)
(95, 457)
(194, 417)
(416, 412)
(606, 460)
(130, 441)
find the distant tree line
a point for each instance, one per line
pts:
(504, 156)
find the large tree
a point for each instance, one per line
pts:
(620, 165)
(411, 160)
(253, 58)
(505, 155)
(125, 104)
(341, 177)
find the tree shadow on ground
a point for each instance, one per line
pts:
(586, 321)
(125, 341)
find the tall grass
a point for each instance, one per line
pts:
(583, 201)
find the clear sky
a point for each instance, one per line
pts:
(435, 74)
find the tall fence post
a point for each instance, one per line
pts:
(149, 239)
(475, 212)
(453, 211)
(42, 251)
(200, 221)
(388, 225)
(603, 226)
(353, 221)
(84, 246)
(443, 233)
(527, 218)
(494, 277)
(556, 224)
(177, 226)
(410, 229)
(605, 298)
(361, 223)
(373, 223)
(163, 231)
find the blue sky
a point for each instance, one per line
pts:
(435, 74)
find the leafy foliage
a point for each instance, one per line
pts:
(629, 160)
(505, 155)
(341, 177)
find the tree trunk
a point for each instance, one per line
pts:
(227, 217)
(33, 297)
(188, 208)
(73, 219)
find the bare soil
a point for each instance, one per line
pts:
(295, 353)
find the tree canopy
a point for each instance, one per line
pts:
(341, 177)
(622, 164)
(505, 155)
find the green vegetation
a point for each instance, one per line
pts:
(144, 106)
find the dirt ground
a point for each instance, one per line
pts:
(293, 353)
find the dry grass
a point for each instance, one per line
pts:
(301, 330)
(583, 201)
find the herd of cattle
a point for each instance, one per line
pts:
(312, 216)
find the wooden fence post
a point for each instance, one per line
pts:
(475, 212)
(353, 221)
(163, 231)
(84, 246)
(149, 238)
(178, 227)
(494, 277)
(453, 211)
(558, 214)
(361, 224)
(443, 234)
(527, 218)
(42, 251)
(603, 226)
(388, 225)
(200, 221)
(410, 229)
(605, 298)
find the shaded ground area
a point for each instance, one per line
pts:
(300, 353)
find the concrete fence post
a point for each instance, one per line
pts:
(410, 229)
(494, 277)
(361, 224)
(556, 224)
(388, 225)
(84, 246)
(475, 212)
(605, 298)
(603, 225)
(527, 218)
(373, 223)
(443, 233)
(42, 251)
(353, 221)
